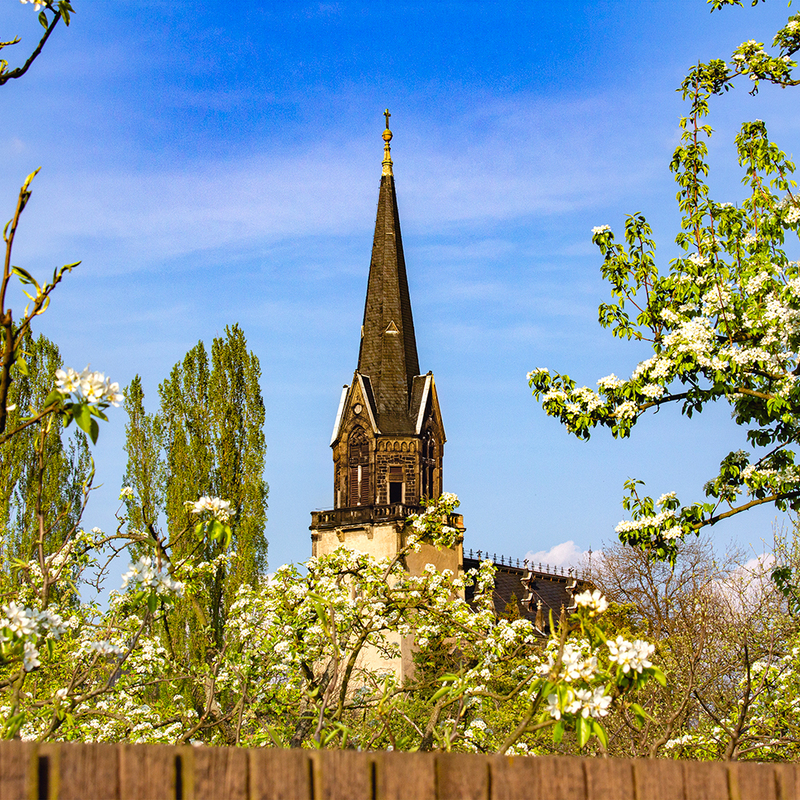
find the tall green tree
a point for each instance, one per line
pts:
(205, 440)
(42, 470)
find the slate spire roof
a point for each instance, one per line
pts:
(388, 352)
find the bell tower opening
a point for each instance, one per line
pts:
(358, 462)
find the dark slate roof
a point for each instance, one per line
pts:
(388, 353)
(550, 588)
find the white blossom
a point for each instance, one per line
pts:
(220, 509)
(594, 601)
(631, 656)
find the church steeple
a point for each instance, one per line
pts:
(388, 352)
(388, 438)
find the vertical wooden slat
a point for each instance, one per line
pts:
(218, 772)
(461, 776)
(277, 774)
(342, 775)
(752, 780)
(706, 779)
(147, 772)
(787, 781)
(562, 778)
(513, 777)
(81, 771)
(18, 767)
(399, 776)
(609, 777)
(658, 779)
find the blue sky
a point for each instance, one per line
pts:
(218, 162)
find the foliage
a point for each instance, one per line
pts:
(66, 464)
(713, 621)
(206, 440)
(309, 658)
(723, 320)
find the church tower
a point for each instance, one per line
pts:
(388, 438)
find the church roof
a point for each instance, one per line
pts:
(388, 352)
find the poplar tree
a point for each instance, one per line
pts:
(205, 440)
(40, 466)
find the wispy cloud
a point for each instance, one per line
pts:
(502, 162)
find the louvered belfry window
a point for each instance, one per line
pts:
(428, 463)
(358, 460)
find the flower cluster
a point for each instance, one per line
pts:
(594, 601)
(630, 656)
(21, 630)
(146, 575)
(87, 387)
(219, 509)
(580, 702)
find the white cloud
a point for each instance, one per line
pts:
(565, 554)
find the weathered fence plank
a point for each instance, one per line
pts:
(609, 777)
(342, 775)
(218, 772)
(787, 781)
(150, 772)
(399, 776)
(81, 771)
(18, 765)
(705, 779)
(280, 774)
(562, 778)
(752, 780)
(513, 777)
(462, 776)
(154, 772)
(658, 779)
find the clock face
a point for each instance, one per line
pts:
(358, 408)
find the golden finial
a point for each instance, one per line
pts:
(387, 151)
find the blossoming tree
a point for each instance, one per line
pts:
(289, 668)
(723, 319)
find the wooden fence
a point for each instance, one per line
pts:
(148, 772)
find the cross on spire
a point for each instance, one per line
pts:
(387, 152)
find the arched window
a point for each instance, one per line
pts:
(358, 462)
(429, 456)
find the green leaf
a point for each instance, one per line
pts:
(600, 733)
(82, 416)
(22, 366)
(152, 602)
(24, 276)
(558, 732)
(440, 693)
(43, 20)
(658, 675)
(641, 714)
(584, 731)
(94, 430)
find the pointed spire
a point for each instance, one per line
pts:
(388, 354)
